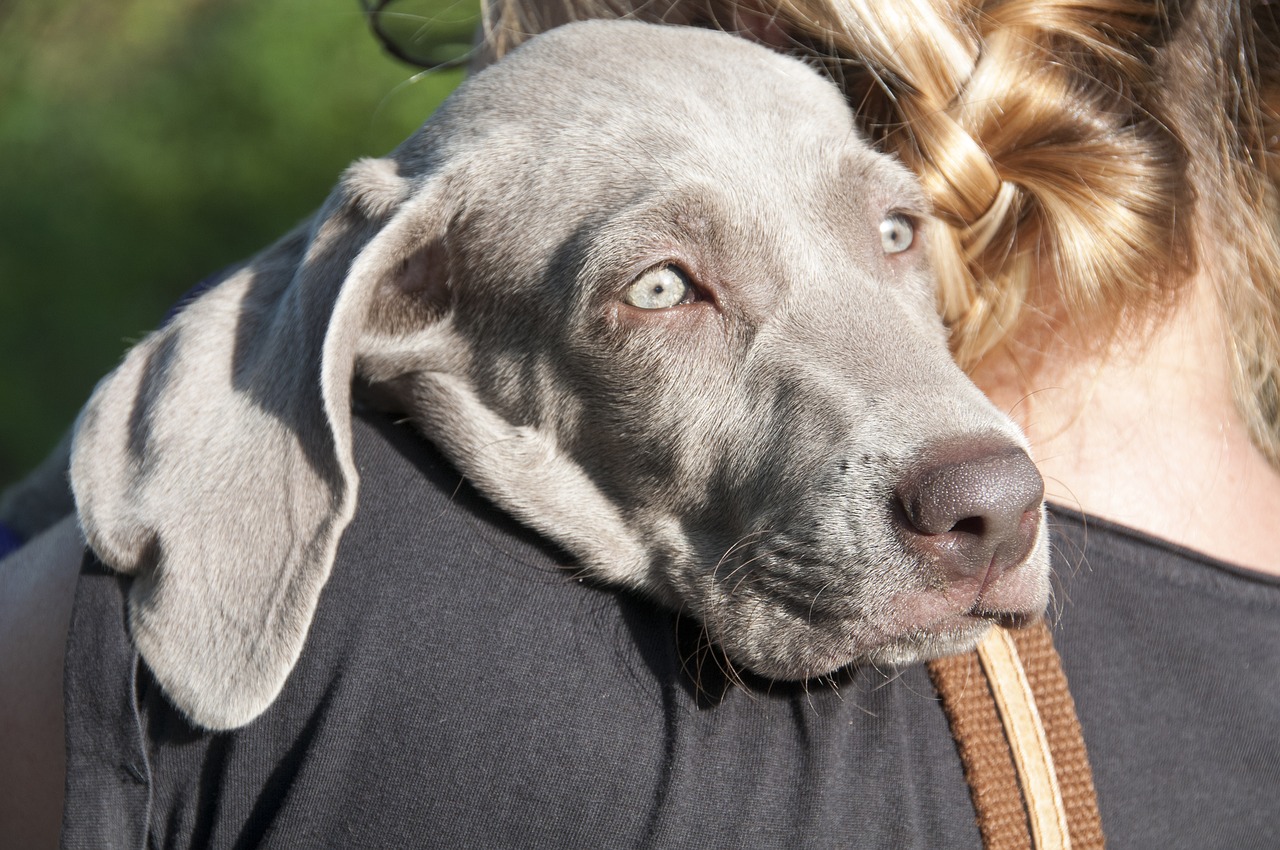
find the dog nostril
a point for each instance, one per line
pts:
(974, 525)
(971, 507)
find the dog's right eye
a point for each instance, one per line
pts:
(659, 288)
(897, 233)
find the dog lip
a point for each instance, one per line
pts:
(937, 613)
(980, 609)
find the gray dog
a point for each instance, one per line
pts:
(653, 294)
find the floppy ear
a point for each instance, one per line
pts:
(215, 464)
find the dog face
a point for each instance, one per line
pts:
(685, 332)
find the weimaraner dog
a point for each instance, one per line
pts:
(647, 288)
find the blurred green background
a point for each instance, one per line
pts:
(147, 143)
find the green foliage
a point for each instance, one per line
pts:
(147, 143)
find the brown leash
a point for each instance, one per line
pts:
(1016, 730)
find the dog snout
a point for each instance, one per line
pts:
(971, 507)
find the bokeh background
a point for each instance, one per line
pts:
(147, 143)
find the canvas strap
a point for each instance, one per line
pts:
(1016, 730)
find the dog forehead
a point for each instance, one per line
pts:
(618, 78)
(593, 111)
(667, 60)
(596, 111)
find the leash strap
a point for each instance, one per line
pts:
(1016, 730)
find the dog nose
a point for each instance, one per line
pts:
(972, 507)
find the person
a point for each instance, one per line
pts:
(1103, 175)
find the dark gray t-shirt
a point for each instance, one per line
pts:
(460, 689)
(1174, 662)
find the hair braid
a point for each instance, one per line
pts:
(1041, 157)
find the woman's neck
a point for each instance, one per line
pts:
(1149, 437)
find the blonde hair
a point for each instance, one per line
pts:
(1081, 155)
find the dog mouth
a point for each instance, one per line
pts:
(787, 633)
(824, 652)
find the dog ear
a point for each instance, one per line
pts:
(215, 464)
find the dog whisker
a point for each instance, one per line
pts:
(814, 601)
(741, 542)
(744, 565)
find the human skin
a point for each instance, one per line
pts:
(1146, 434)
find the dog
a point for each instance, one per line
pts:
(652, 292)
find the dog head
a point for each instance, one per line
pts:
(653, 294)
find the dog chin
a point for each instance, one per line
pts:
(951, 639)
(817, 658)
(1020, 600)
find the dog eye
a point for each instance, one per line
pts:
(660, 288)
(897, 232)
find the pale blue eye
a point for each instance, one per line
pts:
(660, 288)
(897, 232)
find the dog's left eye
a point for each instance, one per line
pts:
(897, 232)
(660, 288)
